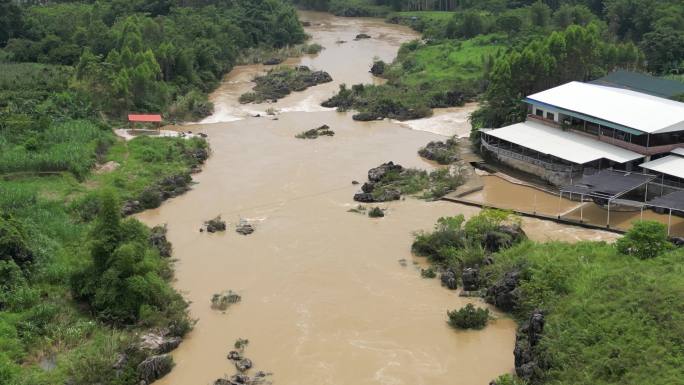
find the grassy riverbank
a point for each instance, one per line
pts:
(80, 284)
(603, 310)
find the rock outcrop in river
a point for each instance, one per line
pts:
(505, 294)
(160, 242)
(527, 360)
(280, 82)
(441, 152)
(371, 191)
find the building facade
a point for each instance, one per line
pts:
(578, 127)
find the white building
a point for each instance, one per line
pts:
(579, 126)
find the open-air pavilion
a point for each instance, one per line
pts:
(608, 186)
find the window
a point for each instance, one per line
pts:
(550, 116)
(539, 113)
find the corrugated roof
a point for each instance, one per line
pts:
(640, 82)
(672, 165)
(565, 145)
(627, 108)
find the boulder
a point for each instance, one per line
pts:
(131, 207)
(244, 228)
(159, 342)
(214, 225)
(471, 279)
(368, 187)
(377, 173)
(528, 336)
(378, 68)
(503, 237)
(154, 368)
(504, 294)
(159, 241)
(440, 152)
(273, 61)
(243, 365)
(234, 355)
(362, 36)
(388, 195)
(448, 279)
(364, 197)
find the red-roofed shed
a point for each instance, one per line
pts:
(144, 118)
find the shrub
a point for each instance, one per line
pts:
(428, 273)
(646, 239)
(14, 242)
(468, 317)
(376, 212)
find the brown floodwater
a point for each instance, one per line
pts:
(500, 193)
(325, 299)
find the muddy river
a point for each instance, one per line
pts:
(325, 299)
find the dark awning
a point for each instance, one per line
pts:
(674, 201)
(608, 184)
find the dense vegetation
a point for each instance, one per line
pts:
(146, 55)
(79, 283)
(503, 50)
(603, 308)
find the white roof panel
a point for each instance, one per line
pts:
(628, 108)
(562, 144)
(671, 165)
(678, 151)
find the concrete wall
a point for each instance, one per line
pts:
(556, 178)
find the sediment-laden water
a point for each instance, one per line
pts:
(325, 298)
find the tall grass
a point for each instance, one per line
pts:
(71, 146)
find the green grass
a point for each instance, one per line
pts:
(606, 311)
(445, 63)
(72, 146)
(428, 15)
(41, 319)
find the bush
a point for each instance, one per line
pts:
(468, 317)
(376, 212)
(428, 273)
(14, 242)
(646, 239)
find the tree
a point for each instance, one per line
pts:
(540, 14)
(645, 240)
(664, 50)
(10, 21)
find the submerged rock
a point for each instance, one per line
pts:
(234, 355)
(244, 228)
(214, 225)
(154, 368)
(243, 365)
(314, 133)
(362, 36)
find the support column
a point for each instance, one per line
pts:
(608, 222)
(560, 197)
(581, 208)
(669, 223)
